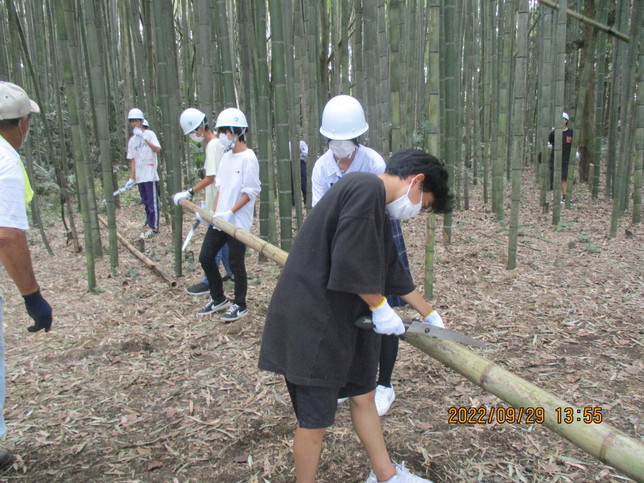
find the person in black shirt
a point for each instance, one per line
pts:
(341, 263)
(566, 144)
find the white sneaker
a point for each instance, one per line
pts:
(402, 476)
(384, 398)
(342, 399)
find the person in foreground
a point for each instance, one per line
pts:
(342, 262)
(15, 194)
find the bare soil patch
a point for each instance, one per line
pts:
(132, 386)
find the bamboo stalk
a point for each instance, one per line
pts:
(602, 441)
(149, 263)
(589, 21)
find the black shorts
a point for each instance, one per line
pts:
(315, 406)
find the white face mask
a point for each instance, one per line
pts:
(228, 143)
(402, 208)
(342, 149)
(196, 137)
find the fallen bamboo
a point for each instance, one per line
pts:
(589, 21)
(149, 263)
(600, 440)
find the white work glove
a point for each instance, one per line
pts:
(385, 320)
(201, 218)
(181, 195)
(577, 155)
(549, 145)
(226, 215)
(434, 319)
(129, 184)
(137, 131)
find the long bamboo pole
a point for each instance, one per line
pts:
(149, 263)
(600, 440)
(589, 21)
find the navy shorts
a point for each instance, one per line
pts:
(315, 406)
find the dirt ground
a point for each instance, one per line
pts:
(132, 386)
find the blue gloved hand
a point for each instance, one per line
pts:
(39, 310)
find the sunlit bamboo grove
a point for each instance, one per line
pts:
(479, 83)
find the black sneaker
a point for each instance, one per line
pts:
(6, 458)
(234, 312)
(227, 278)
(201, 288)
(213, 306)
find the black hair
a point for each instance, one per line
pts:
(9, 123)
(356, 141)
(410, 162)
(237, 131)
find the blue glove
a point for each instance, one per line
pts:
(39, 310)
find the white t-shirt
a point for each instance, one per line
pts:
(13, 208)
(326, 172)
(214, 151)
(146, 160)
(238, 173)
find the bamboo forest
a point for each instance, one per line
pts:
(177, 151)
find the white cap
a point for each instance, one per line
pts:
(566, 117)
(343, 118)
(231, 117)
(191, 119)
(135, 113)
(14, 102)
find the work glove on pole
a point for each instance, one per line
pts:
(434, 318)
(39, 310)
(229, 216)
(181, 195)
(385, 320)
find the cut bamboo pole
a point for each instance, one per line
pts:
(600, 440)
(589, 21)
(149, 263)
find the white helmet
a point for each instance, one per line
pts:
(343, 119)
(145, 123)
(135, 114)
(191, 119)
(231, 117)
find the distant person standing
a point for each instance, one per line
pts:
(238, 186)
(566, 145)
(142, 149)
(15, 193)
(304, 153)
(194, 124)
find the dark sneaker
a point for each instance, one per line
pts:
(212, 306)
(227, 278)
(201, 288)
(234, 312)
(6, 458)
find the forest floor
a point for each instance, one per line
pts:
(132, 386)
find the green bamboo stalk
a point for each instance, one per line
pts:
(73, 94)
(518, 134)
(638, 155)
(278, 78)
(559, 80)
(99, 94)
